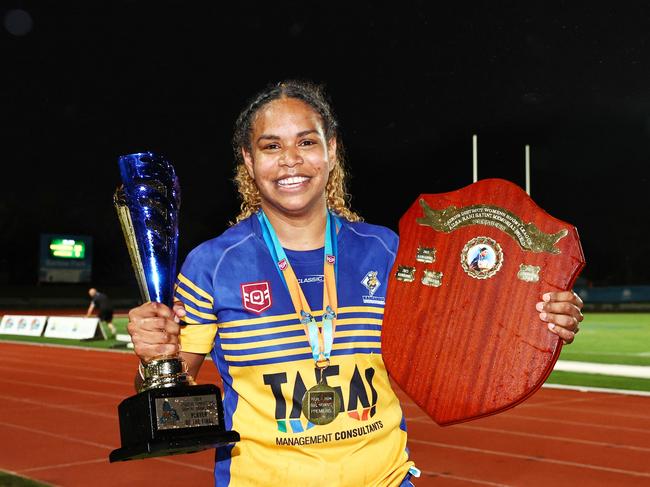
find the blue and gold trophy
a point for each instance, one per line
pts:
(170, 414)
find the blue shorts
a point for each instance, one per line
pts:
(407, 481)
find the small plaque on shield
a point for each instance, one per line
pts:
(426, 255)
(405, 273)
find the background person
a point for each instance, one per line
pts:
(240, 299)
(104, 307)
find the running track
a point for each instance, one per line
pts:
(58, 423)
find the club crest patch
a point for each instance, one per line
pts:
(256, 296)
(372, 283)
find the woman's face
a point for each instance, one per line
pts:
(290, 158)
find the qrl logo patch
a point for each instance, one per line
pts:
(256, 296)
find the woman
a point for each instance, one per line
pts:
(281, 301)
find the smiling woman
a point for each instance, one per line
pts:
(289, 303)
(313, 98)
(290, 161)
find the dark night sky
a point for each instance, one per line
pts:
(410, 81)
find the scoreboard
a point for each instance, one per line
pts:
(67, 248)
(65, 258)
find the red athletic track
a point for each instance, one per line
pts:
(58, 423)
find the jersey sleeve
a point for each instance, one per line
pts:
(194, 290)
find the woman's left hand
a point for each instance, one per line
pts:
(562, 313)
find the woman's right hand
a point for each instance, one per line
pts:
(154, 330)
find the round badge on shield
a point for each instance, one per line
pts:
(481, 257)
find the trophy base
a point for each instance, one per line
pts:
(159, 448)
(171, 421)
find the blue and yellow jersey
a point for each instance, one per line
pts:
(239, 311)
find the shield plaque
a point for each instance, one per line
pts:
(461, 335)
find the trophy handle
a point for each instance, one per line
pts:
(165, 371)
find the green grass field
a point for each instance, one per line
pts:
(8, 480)
(612, 338)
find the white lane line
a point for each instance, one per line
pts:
(510, 415)
(555, 438)
(587, 411)
(39, 405)
(57, 436)
(59, 388)
(94, 444)
(532, 458)
(639, 371)
(105, 460)
(593, 352)
(63, 465)
(76, 377)
(576, 423)
(76, 367)
(603, 390)
(462, 479)
(552, 403)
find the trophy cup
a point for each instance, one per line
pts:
(170, 414)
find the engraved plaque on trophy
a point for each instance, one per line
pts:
(460, 334)
(170, 414)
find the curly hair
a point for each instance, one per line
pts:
(314, 96)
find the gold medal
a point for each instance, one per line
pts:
(321, 404)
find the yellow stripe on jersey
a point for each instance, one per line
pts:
(359, 344)
(200, 314)
(189, 297)
(197, 338)
(264, 355)
(289, 316)
(256, 321)
(283, 353)
(194, 287)
(358, 333)
(265, 343)
(297, 326)
(186, 319)
(359, 321)
(255, 333)
(361, 309)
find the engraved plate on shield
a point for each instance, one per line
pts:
(405, 273)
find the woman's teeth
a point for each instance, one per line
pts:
(292, 181)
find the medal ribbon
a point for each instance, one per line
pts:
(320, 342)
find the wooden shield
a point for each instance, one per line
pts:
(461, 335)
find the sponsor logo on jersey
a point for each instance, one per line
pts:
(256, 296)
(359, 401)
